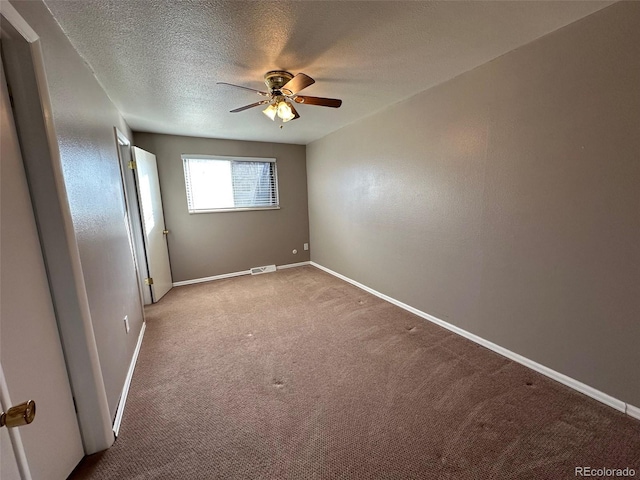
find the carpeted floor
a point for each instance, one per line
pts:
(298, 375)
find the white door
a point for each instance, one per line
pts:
(30, 350)
(155, 233)
(11, 447)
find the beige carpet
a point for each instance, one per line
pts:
(298, 375)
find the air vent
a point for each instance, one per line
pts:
(265, 269)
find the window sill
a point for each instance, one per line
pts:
(220, 210)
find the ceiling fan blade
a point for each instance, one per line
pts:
(297, 83)
(247, 107)
(264, 94)
(323, 102)
(295, 112)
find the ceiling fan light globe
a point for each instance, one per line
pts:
(288, 117)
(285, 112)
(270, 112)
(283, 109)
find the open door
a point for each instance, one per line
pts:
(155, 232)
(32, 365)
(14, 465)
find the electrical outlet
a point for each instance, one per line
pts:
(126, 323)
(306, 246)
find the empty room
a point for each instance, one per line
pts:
(320, 239)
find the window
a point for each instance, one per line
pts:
(222, 184)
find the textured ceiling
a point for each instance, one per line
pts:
(159, 60)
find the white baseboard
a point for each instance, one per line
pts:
(208, 279)
(293, 265)
(125, 390)
(559, 377)
(633, 411)
(233, 274)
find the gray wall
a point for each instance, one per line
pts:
(505, 201)
(208, 244)
(84, 119)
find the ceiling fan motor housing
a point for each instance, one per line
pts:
(276, 79)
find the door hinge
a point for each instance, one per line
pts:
(132, 165)
(148, 281)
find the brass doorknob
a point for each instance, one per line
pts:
(19, 415)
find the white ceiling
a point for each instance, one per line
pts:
(159, 60)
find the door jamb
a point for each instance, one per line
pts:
(133, 214)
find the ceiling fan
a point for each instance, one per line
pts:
(283, 90)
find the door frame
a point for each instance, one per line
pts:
(133, 214)
(25, 74)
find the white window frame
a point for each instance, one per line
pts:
(185, 157)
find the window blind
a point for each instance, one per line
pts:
(230, 183)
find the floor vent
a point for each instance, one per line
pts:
(265, 269)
